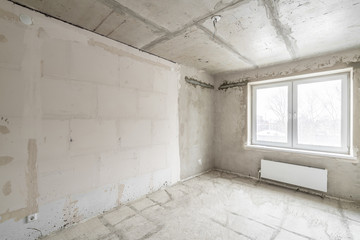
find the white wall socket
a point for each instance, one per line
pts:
(32, 218)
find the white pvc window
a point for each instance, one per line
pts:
(311, 113)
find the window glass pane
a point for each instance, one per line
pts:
(272, 114)
(319, 113)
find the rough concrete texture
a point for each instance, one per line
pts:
(174, 17)
(196, 121)
(239, 28)
(86, 123)
(224, 206)
(116, 24)
(251, 33)
(193, 49)
(231, 125)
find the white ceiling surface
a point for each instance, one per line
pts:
(250, 34)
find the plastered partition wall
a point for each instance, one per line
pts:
(231, 125)
(86, 124)
(196, 119)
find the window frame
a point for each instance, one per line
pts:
(345, 150)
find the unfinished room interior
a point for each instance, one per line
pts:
(179, 119)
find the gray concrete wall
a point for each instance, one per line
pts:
(231, 125)
(196, 120)
(86, 123)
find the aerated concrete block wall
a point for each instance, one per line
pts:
(231, 125)
(86, 124)
(196, 119)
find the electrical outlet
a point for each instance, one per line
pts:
(32, 218)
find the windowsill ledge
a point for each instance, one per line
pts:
(337, 156)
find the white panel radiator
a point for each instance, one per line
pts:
(308, 177)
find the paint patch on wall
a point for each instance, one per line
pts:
(3, 39)
(6, 189)
(8, 16)
(5, 160)
(31, 176)
(4, 129)
(32, 187)
(41, 33)
(121, 188)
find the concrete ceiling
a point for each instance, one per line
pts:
(250, 34)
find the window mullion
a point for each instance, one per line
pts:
(290, 115)
(253, 117)
(294, 105)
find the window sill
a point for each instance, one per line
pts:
(340, 157)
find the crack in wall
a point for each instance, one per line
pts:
(196, 82)
(225, 85)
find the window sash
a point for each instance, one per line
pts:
(289, 122)
(292, 127)
(344, 114)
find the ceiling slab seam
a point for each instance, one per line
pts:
(85, 29)
(226, 45)
(119, 8)
(283, 31)
(197, 21)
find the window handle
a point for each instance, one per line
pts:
(294, 115)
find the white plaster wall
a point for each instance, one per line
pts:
(196, 119)
(86, 124)
(231, 125)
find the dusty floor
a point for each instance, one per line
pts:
(218, 206)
